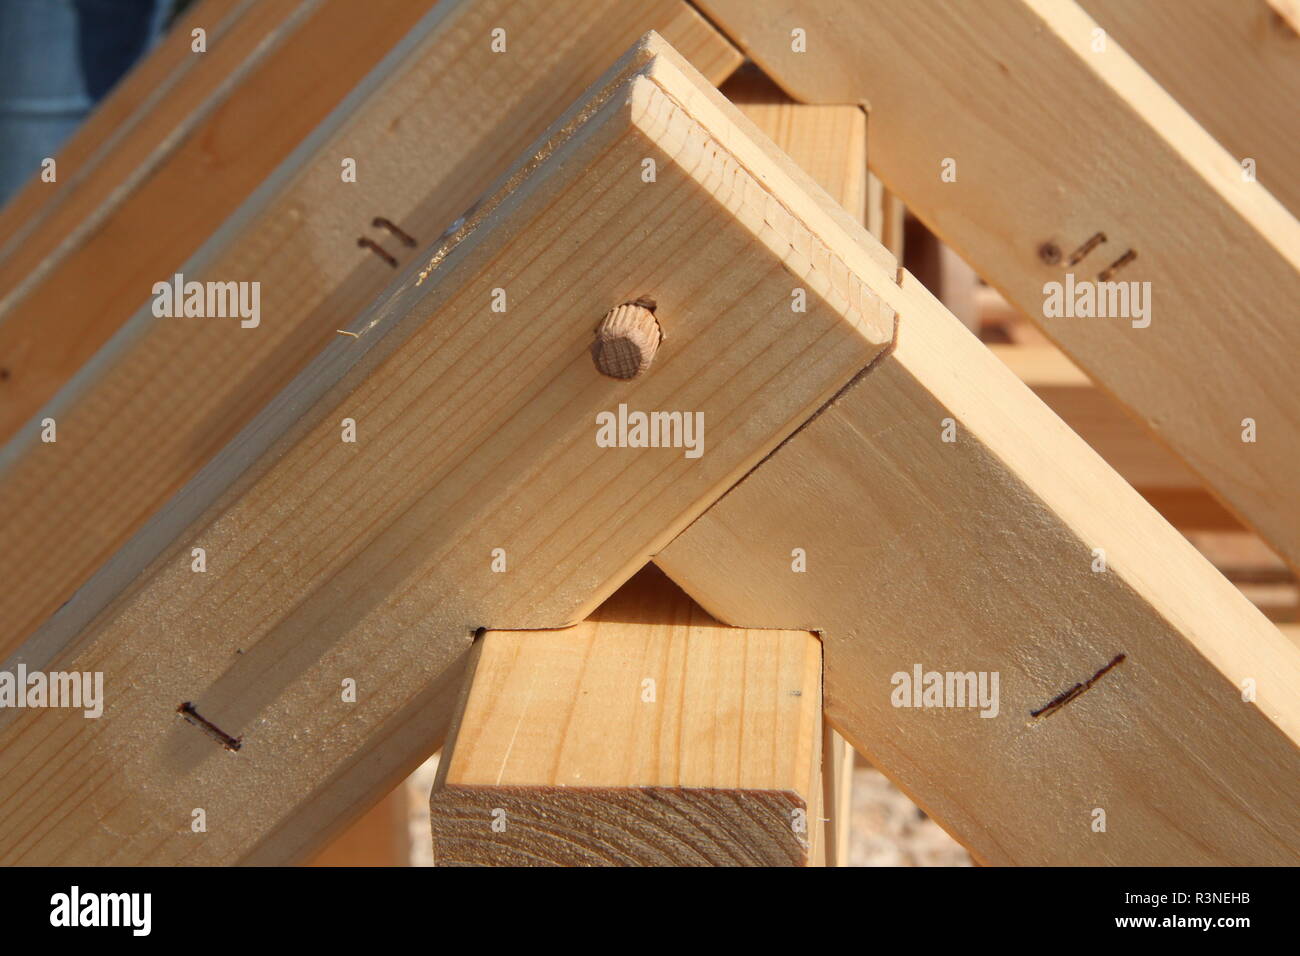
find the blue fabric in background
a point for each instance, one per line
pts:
(111, 35)
(57, 59)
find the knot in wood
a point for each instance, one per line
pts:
(626, 341)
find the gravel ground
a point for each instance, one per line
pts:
(888, 829)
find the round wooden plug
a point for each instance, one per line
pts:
(626, 341)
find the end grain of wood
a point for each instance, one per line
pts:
(626, 341)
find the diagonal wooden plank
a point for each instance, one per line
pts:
(1101, 422)
(430, 129)
(1120, 686)
(374, 561)
(1233, 64)
(169, 69)
(1055, 143)
(133, 210)
(647, 735)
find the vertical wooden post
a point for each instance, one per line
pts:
(648, 735)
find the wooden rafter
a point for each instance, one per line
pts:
(1122, 686)
(75, 269)
(170, 69)
(1017, 104)
(425, 151)
(373, 561)
(945, 520)
(1233, 64)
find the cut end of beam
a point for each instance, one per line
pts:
(649, 735)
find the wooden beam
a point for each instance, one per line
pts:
(380, 837)
(1120, 690)
(169, 66)
(829, 143)
(1233, 64)
(838, 760)
(648, 735)
(1016, 97)
(1157, 475)
(1099, 419)
(134, 211)
(474, 494)
(166, 394)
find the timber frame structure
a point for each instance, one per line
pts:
(307, 554)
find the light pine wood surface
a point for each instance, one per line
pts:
(648, 735)
(373, 560)
(1120, 690)
(1053, 142)
(166, 394)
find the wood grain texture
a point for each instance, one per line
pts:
(1096, 417)
(579, 761)
(1053, 144)
(373, 560)
(169, 69)
(829, 143)
(378, 838)
(430, 129)
(977, 556)
(173, 177)
(1233, 64)
(1099, 420)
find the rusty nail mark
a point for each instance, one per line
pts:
(1093, 242)
(1060, 700)
(382, 223)
(377, 250)
(187, 711)
(1115, 266)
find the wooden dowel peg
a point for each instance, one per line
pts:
(626, 341)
